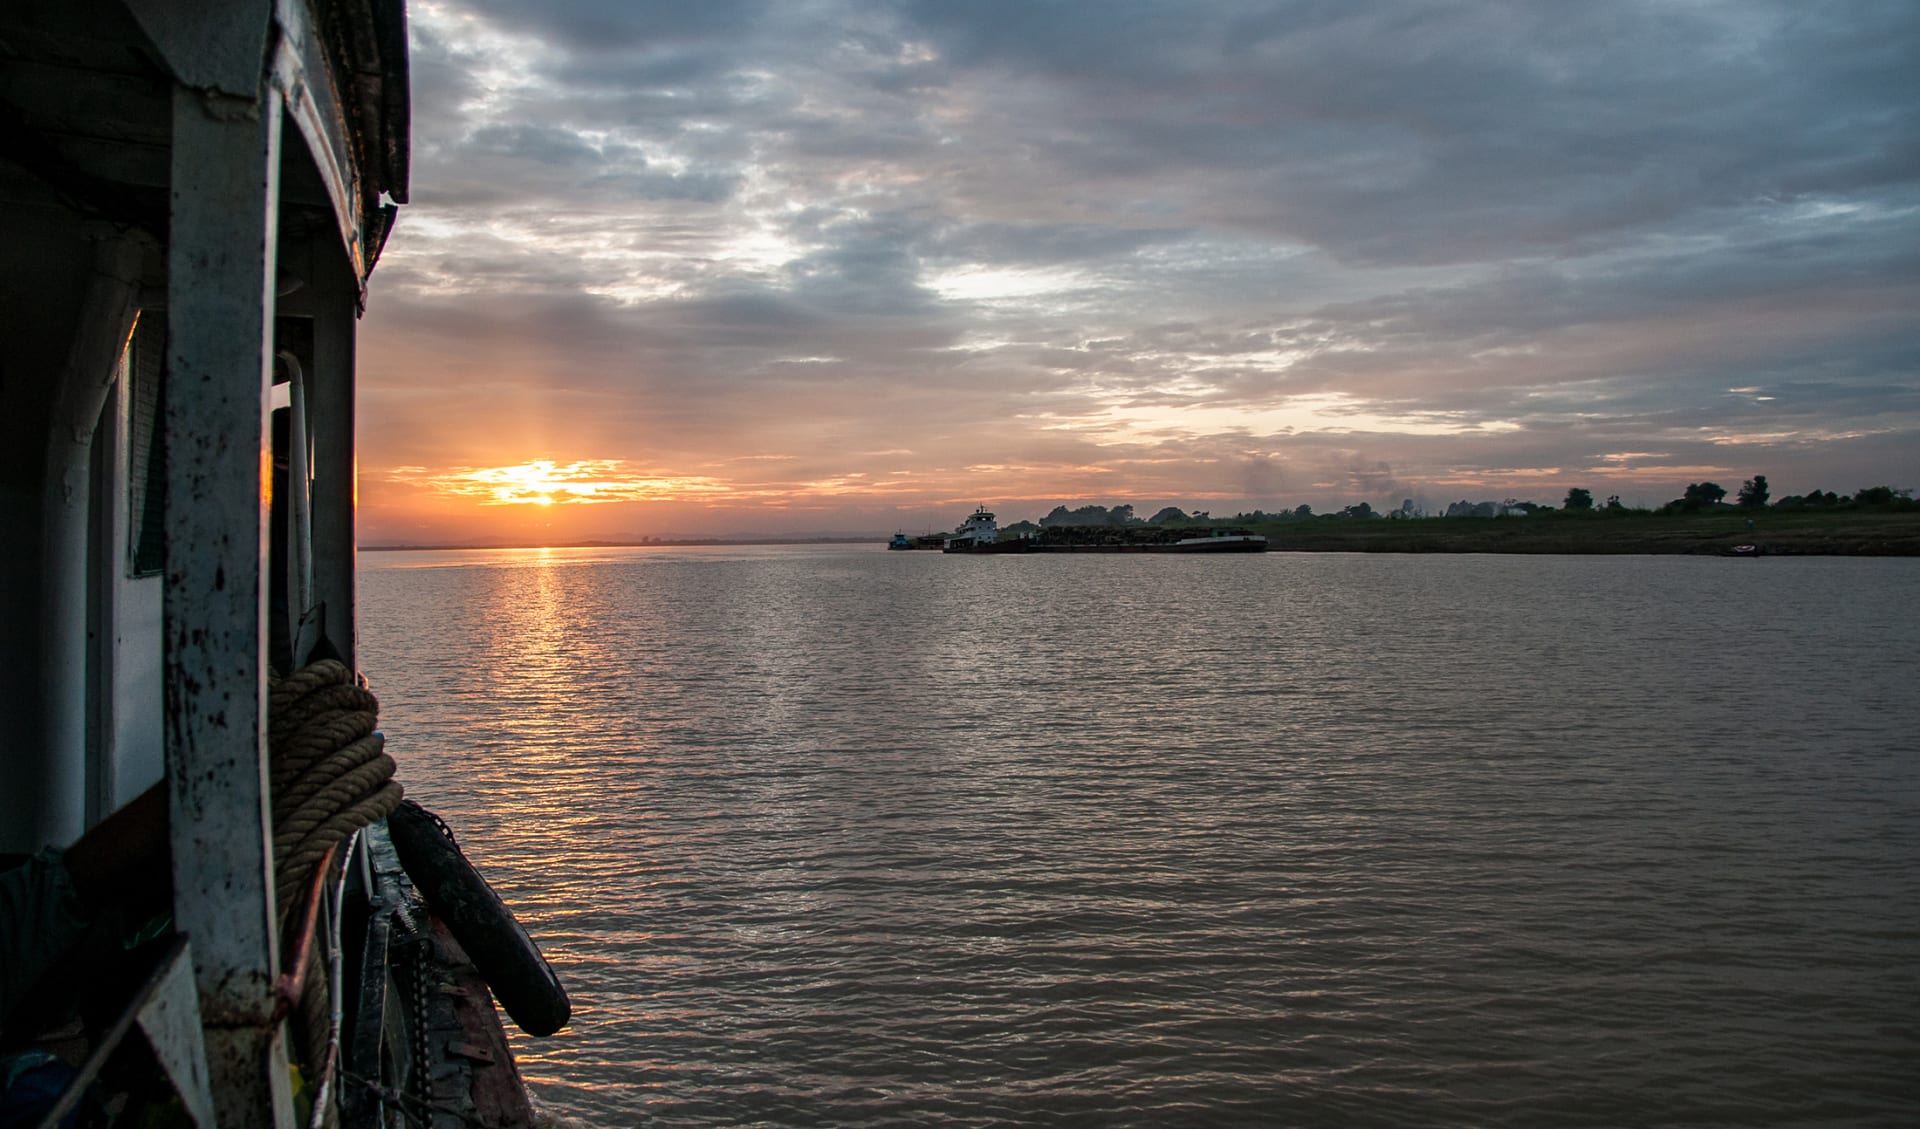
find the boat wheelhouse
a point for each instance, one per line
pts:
(978, 531)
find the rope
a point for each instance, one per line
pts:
(316, 1009)
(292, 791)
(292, 873)
(298, 751)
(303, 711)
(328, 770)
(329, 776)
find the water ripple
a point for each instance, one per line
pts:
(833, 837)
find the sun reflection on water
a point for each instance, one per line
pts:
(825, 838)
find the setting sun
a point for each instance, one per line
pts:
(544, 482)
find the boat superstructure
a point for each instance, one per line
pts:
(192, 197)
(974, 534)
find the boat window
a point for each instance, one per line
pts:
(146, 441)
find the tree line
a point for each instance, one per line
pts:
(1122, 516)
(1754, 495)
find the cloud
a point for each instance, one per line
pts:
(1228, 248)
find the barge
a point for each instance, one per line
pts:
(980, 534)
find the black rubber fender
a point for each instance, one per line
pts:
(506, 958)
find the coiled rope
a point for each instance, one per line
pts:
(328, 770)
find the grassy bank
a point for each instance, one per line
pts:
(1788, 533)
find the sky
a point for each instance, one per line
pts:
(846, 266)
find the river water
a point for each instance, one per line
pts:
(842, 837)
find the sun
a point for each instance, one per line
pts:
(546, 482)
(538, 483)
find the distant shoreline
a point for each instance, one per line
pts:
(1598, 533)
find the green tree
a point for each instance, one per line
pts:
(1753, 493)
(1704, 494)
(1579, 499)
(1816, 500)
(1883, 496)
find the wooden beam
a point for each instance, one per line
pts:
(336, 297)
(220, 262)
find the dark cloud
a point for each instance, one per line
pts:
(1388, 133)
(1228, 248)
(1042, 244)
(547, 145)
(599, 25)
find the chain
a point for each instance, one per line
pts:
(411, 971)
(422, 1040)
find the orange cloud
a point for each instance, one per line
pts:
(544, 482)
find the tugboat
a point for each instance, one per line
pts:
(214, 925)
(924, 541)
(980, 534)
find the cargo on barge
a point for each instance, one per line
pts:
(980, 534)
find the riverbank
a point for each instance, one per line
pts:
(1799, 533)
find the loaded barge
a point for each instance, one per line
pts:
(980, 534)
(216, 908)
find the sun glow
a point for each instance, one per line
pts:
(544, 482)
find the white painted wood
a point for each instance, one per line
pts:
(221, 260)
(106, 520)
(68, 667)
(170, 1019)
(137, 742)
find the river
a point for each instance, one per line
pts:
(831, 836)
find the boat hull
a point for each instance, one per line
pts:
(1210, 545)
